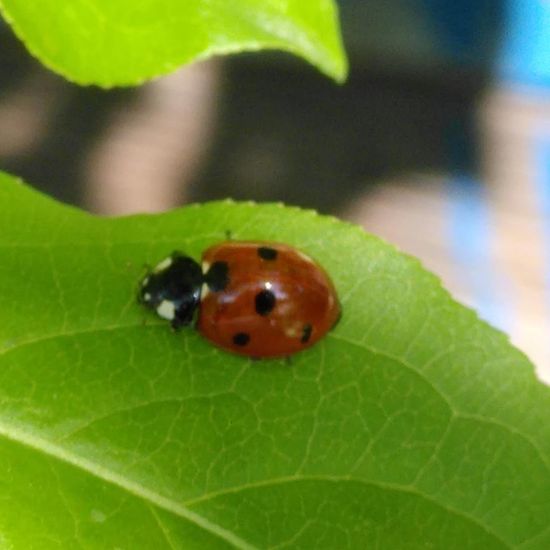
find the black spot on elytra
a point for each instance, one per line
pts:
(265, 302)
(241, 339)
(267, 253)
(306, 333)
(217, 277)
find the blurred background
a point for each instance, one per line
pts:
(439, 142)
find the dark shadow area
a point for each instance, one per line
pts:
(77, 116)
(295, 136)
(287, 133)
(57, 164)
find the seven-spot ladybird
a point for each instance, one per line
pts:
(255, 298)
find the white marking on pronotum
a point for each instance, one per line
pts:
(166, 310)
(146, 296)
(166, 263)
(145, 281)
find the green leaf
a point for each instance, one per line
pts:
(122, 42)
(412, 425)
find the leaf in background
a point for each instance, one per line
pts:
(412, 425)
(124, 42)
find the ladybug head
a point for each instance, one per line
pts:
(173, 289)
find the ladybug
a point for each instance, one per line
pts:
(254, 298)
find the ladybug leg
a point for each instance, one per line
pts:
(337, 320)
(179, 321)
(176, 324)
(288, 360)
(183, 317)
(228, 235)
(139, 293)
(147, 270)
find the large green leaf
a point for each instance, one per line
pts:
(412, 425)
(119, 42)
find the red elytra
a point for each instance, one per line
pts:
(273, 301)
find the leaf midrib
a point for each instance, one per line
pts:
(182, 510)
(150, 497)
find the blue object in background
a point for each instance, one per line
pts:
(510, 37)
(542, 184)
(524, 56)
(470, 231)
(422, 34)
(470, 239)
(466, 31)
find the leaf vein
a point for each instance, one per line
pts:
(148, 496)
(345, 479)
(452, 408)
